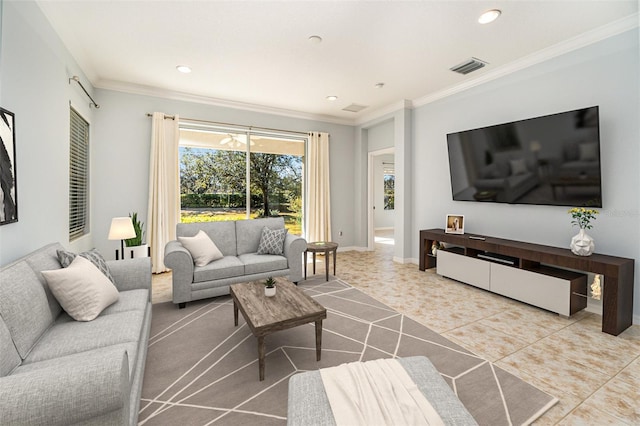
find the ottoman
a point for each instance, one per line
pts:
(309, 405)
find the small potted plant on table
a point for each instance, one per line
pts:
(270, 287)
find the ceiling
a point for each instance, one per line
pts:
(257, 54)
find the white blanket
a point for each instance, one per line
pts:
(378, 392)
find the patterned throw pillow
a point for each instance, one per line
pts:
(66, 257)
(272, 241)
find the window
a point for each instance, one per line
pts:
(226, 174)
(78, 176)
(389, 191)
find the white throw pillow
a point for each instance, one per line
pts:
(588, 152)
(518, 167)
(202, 249)
(81, 289)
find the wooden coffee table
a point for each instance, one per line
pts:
(289, 308)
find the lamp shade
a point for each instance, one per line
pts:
(121, 228)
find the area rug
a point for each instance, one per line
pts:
(202, 370)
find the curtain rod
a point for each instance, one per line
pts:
(77, 80)
(172, 117)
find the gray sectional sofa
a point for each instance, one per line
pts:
(58, 371)
(238, 241)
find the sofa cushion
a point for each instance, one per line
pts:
(227, 267)
(23, 306)
(130, 300)
(272, 241)
(223, 234)
(249, 232)
(203, 250)
(259, 263)
(518, 166)
(45, 259)
(68, 360)
(66, 257)
(68, 337)
(588, 152)
(82, 289)
(9, 357)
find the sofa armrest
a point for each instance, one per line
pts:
(180, 261)
(69, 393)
(131, 274)
(294, 246)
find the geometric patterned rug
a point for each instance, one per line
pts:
(203, 370)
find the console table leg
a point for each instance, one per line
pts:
(617, 302)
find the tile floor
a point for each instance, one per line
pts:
(595, 376)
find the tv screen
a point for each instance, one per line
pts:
(549, 160)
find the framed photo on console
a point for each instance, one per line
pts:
(455, 224)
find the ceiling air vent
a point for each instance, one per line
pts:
(468, 66)
(354, 108)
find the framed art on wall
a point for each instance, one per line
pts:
(8, 190)
(455, 224)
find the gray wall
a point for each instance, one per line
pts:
(122, 138)
(34, 72)
(604, 74)
(380, 136)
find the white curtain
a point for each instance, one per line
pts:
(319, 194)
(164, 188)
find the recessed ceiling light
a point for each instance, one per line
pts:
(489, 16)
(184, 69)
(379, 85)
(315, 39)
(332, 98)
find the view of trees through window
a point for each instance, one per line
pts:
(389, 191)
(218, 183)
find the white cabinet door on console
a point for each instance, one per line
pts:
(546, 292)
(462, 268)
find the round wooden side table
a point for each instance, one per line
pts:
(321, 247)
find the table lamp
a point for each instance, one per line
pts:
(121, 229)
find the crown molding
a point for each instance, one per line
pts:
(138, 89)
(590, 37)
(381, 112)
(585, 39)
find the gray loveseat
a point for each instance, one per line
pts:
(238, 241)
(58, 371)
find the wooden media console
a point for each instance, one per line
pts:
(516, 262)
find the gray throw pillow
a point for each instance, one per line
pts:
(272, 241)
(66, 257)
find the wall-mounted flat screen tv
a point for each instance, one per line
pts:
(548, 160)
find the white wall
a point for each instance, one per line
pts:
(122, 143)
(34, 72)
(604, 74)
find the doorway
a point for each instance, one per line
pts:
(381, 201)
